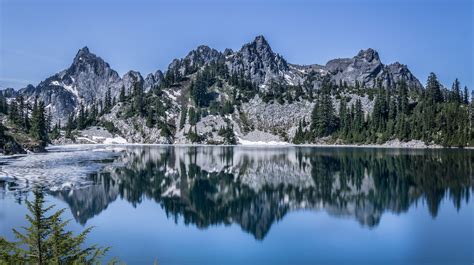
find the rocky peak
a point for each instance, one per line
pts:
(82, 52)
(257, 60)
(84, 82)
(259, 47)
(152, 80)
(131, 78)
(369, 55)
(9, 92)
(85, 61)
(195, 59)
(228, 52)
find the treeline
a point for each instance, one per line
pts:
(30, 120)
(433, 115)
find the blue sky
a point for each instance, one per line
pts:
(40, 38)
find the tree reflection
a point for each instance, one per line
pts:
(207, 186)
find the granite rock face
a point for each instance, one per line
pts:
(89, 78)
(367, 69)
(85, 81)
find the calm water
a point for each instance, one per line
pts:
(241, 205)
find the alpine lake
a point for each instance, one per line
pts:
(254, 205)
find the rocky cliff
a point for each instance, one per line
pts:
(268, 93)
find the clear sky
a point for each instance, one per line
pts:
(41, 37)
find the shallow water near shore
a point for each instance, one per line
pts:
(255, 205)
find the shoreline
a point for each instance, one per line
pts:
(379, 146)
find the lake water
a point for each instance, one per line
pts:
(255, 205)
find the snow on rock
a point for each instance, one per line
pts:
(115, 140)
(260, 143)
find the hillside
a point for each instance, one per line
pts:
(255, 95)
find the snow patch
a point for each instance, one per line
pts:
(261, 143)
(115, 140)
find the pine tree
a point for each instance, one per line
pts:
(299, 135)
(122, 94)
(70, 126)
(138, 99)
(403, 106)
(108, 100)
(81, 118)
(324, 120)
(36, 233)
(46, 241)
(38, 123)
(182, 119)
(149, 118)
(466, 95)
(433, 89)
(456, 93)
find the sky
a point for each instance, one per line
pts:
(41, 37)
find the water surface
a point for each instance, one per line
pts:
(256, 205)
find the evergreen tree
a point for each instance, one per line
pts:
(193, 116)
(122, 94)
(81, 118)
(299, 137)
(149, 118)
(108, 100)
(466, 95)
(70, 126)
(456, 93)
(403, 106)
(433, 89)
(38, 123)
(182, 119)
(138, 101)
(46, 241)
(324, 120)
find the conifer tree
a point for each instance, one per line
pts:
(38, 123)
(45, 240)
(108, 100)
(433, 90)
(182, 119)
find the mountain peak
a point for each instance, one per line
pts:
(83, 51)
(369, 54)
(260, 39)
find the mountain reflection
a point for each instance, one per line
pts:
(254, 187)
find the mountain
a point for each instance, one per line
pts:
(85, 82)
(9, 92)
(253, 94)
(89, 77)
(367, 69)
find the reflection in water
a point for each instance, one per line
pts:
(256, 187)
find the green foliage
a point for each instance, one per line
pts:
(55, 132)
(149, 118)
(323, 119)
(45, 240)
(193, 135)
(193, 116)
(122, 94)
(182, 119)
(199, 88)
(110, 127)
(228, 134)
(70, 125)
(108, 101)
(431, 119)
(38, 130)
